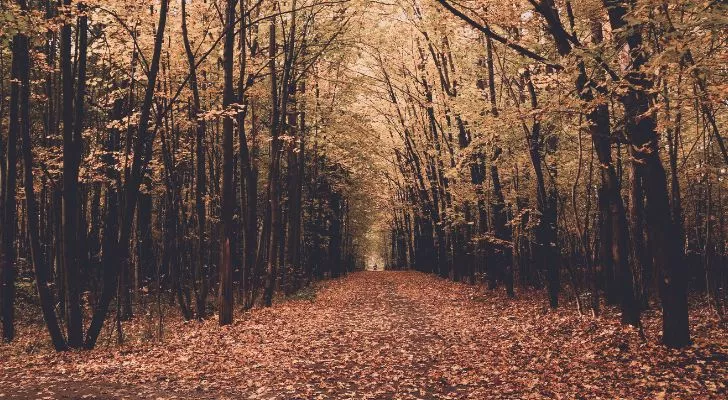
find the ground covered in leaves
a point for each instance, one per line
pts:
(382, 335)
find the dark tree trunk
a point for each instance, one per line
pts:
(228, 192)
(248, 171)
(335, 234)
(72, 128)
(202, 262)
(546, 233)
(251, 220)
(501, 228)
(19, 71)
(296, 159)
(40, 265)
(273, 175)
(641, 129)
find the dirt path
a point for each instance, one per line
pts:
(382, 335)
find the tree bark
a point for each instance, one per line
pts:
(19, 68)
(228, 193)
(641, 130)
(202, 262)
(273, 174)
(40, 265)
(72, 127)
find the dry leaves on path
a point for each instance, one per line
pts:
(381, 335)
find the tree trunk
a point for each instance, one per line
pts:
(228, 193)
(142, 148)
(641, 129)
(546, 232)
(296, 160)
(71, 163)
(202, 262)
(40, 266)
(273, 174)
(9, 203)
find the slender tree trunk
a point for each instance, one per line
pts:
(202, 262)
(9, 203)
(546, 231)
(71, 162)
(228, 193)
(142, 148)
(335, 233)
(248, 169)
(296, 161)
(40, 266)
(501, 228)
(273, 174)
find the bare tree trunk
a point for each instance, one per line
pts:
(273, 174)
(40, 266)
(9, 203)
(228, 193)
(202, 262)
(296, 160)
(71, 163)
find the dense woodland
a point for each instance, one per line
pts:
(199, 158)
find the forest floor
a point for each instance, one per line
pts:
(385, 335)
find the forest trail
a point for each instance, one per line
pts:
(380, 335)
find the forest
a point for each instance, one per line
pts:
(198, 198)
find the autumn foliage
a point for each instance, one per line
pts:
(189, 187)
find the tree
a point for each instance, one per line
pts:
(228, 198)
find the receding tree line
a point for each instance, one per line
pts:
(634, 241)
(155, 191)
